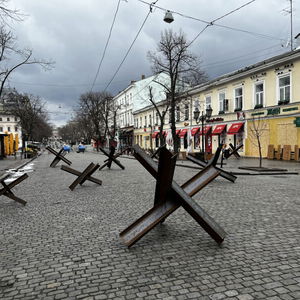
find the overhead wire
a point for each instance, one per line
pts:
(130, 47)
(106, 45)
(209, 23)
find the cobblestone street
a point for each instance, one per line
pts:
(65, 245)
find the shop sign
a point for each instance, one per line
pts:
(274, 111)
(297, 121)
(218, 119)
(257, 113)
(240, 115)
(290, 108)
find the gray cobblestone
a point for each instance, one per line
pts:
(65, 245)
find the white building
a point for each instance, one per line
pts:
(135, 97)
(9, 124)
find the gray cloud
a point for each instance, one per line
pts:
(73, 34)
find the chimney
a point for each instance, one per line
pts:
(143, 77)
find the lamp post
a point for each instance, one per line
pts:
(202, 118)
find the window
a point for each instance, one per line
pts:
(145, 121)
(0, 119)
(16, 129)
(207, 102)
(156, 117)
(8, 119)
(1, 129)
(238, 97)
(16, 119)
(141, 122)
(8, 129)
(150, 120)
(177, 113)
(186, 112)
(259, 95)
(223, 103)
(284, 83)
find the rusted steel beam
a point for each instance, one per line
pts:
(227, 175)
(178, 196)
(148, 221)
(77, 173)
(58, 157)
(111, 158)
(6, 190)
(85, 175)
(166, 168)
(235, 150)
(154, 155)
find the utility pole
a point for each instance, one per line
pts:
(291, 11)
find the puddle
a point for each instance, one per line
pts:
(16, 173)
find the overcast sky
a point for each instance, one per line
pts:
(73, 33)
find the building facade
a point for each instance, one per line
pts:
(262, 98)
(134, 98)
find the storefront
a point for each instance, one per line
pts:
(2, 148)
(156, 139)
(219, 134)
(126, 138)
(206, 138)
(236, 135)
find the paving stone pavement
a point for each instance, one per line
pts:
(65, 245)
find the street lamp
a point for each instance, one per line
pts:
(168, 17)
(202, 118)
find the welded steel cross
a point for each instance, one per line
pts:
(58, 156)
(6, 190)
(111, 158)
(83, 176)
(169, 196)
(234, 151)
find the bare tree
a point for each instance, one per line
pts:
(173, 58)
(11, 56)
(257, 129)
(73, 131)
(160, 113)
(30, 112)
(8, 13)
(97, 108)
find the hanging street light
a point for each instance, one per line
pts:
(168, 17)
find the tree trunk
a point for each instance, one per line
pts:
(260, 154)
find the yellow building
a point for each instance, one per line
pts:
(266, 93)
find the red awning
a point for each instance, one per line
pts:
(194, 130)
(206, 130)
(219, 129)
(177, 131)
(235, 128)
(154, 134)
(183, 132)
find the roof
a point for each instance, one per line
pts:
(246, 71)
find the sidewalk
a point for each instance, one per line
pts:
(12, 162)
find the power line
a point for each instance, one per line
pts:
(130, 47)
(107, 41)
(215, 24)
(243, 59)
(232, 11)
(233, 59)
(63, 85)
